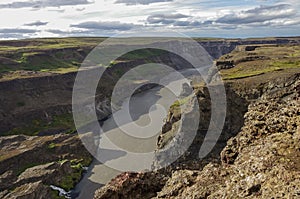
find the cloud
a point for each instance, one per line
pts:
(176, 20)
(57, 10)
(192, 23)
(68, 32)
(80, 9)
(17, 31)
(44, 3)
(104, 25)
(275, 15)
(143, 2)
(165, 18)
(81, 32)
(37, 23)
(258, 15)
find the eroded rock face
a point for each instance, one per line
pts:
(29, 165)
(236, 108)
(35, 190)
(254, 165)
(261, 160)
(133, 186)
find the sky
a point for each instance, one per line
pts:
(195, 18)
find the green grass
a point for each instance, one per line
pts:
(273, 67)
(64, 121)
(45, 55)
(142, 54)
(56, 55)
(47, 44)
(286, 64)
(246, 73)
(278, 58)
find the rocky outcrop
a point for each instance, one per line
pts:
(257, 155)
(33, 190)
(255, 164)
(29, 165)
(236, 108)
(219, 48)
(133, 186)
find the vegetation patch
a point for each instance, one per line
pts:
(69, 181)
(276, 58)
(52, 146)
(45, 55)
(180, 102)
(63, 123)
(55, 55)
(142, 54)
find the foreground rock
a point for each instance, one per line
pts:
(255, 164)
(262, 161)
(29, 165)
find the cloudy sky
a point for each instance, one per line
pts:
(196, 18)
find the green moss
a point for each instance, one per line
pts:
(62, 161)
(180, 102)
(81, 162)
(69, 181)
(77, 166)
(55, 195)
(112, 63)
(52, 146)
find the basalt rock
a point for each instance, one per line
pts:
(29, 165)
(256, 157)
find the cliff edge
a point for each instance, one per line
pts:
(257, 155)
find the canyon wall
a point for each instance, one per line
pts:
(41, 97)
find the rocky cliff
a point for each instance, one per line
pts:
(42, 95)
(38, 103)
(257, 155)
(40, 99)
(221, 47)
(30, 164)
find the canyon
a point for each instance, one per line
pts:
(39, 138)
(257, 155)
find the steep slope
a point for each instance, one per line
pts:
(30, 164)
(258, 153)
(38, 102)
(37, 78)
